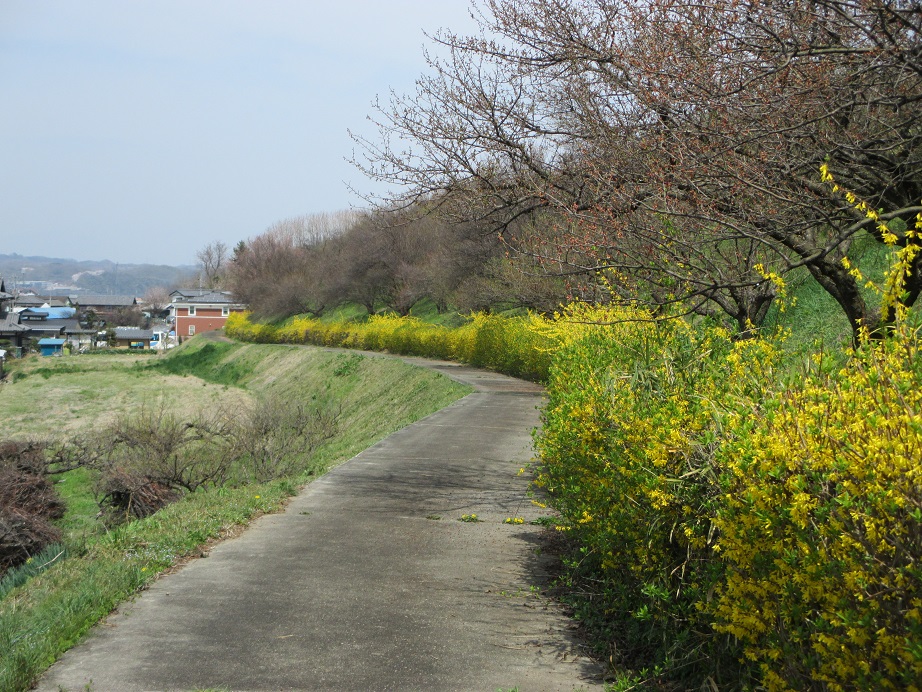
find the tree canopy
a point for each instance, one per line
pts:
(672, 148)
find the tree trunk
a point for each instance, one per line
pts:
(843, 287)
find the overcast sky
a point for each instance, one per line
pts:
(141, 131)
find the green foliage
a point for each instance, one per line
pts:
(206, 360)
(626, 447)
(63, 368)
(347, 365)
(821, 525)
(38, 563)
(812, 318)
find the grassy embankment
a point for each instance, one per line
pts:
(54, 398)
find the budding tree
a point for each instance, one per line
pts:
(212, 259)
(678, 145)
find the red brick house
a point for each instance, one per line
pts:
(200, 310)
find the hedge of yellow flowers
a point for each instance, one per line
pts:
(821, 526)
(628, 448)
(516, 345)
(743, 527)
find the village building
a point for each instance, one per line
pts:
(108, 310)
(51, 347)
(196, 310)
(131, 337)
(11, 331)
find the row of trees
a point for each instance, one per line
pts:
(674, 147)
(383, 260)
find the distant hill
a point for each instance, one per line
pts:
(65, 276)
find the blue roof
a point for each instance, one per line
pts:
(52, 342)
(60, 313)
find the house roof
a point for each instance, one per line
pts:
(45, 327)
(132, 333)
(209, 297)
(49, 313)
(52, 342)
(30, 300)
(69, 325)
(54, 325)
(9, 324)
(191, 292)
(107, 301)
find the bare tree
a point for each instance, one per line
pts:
(678, 144)
(212, 259)
(312, 230)
(380, 260)
(277, 277)
(156, 300)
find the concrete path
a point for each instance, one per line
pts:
(368, 581)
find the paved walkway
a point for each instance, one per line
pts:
(368, 581)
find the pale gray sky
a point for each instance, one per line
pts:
(141, 131)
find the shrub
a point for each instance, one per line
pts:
(518, 346)
(821, 526)
(155, 445)
(735, 529)
(627, 456)
(124, 496)
(24, 484)
(275, 438)
(23, 535)
(28, 503)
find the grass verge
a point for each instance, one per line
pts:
(51, 611)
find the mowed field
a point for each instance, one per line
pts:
(58, 397)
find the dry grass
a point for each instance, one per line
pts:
(57, 397)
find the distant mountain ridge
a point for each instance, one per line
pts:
(59, 276)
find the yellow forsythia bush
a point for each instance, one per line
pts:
(626, 451)
(821, 526)
(517, 346)
(239, 326)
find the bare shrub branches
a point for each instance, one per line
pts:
(28, 503)
(273, 438)
(124, 496)
(177, 453)
(152, 457)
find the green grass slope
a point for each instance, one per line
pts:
(57, 397)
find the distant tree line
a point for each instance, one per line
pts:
(383, 260)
